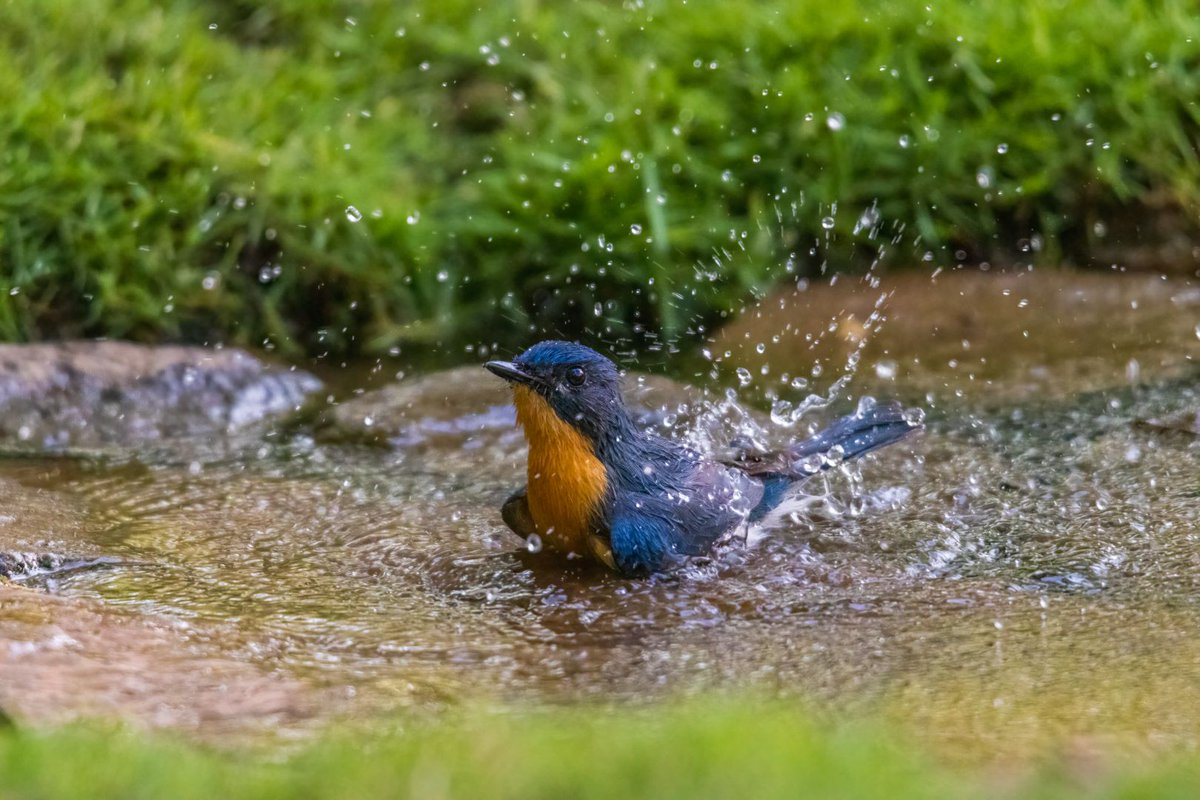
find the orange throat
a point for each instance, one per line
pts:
(566, 480)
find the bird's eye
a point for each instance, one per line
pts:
(576, 376)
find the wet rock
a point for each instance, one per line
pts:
(450, 404)
(980, 335)
(20, 565)
(469, 403)
(96, 394)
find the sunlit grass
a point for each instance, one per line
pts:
(185, 169)
(695, 751)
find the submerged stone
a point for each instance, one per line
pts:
(16, 565)
(96, 394)
(69, 658)
(1188, 422)
(467, 402)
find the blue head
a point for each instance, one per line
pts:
(580, 385)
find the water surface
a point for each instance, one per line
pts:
(1024, 573)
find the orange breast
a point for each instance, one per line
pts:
(566, 480)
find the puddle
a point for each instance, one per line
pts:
(1026, 570)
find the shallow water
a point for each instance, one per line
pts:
(1023, 573)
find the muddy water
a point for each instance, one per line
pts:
(1025, 573)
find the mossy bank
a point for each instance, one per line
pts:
(343, 176)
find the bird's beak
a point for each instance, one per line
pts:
(512, 373)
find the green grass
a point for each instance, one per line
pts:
(183, 169)
(684, 752)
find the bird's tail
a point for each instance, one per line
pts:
(872, 426)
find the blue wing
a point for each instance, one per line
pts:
(641, 542)
(651, 528)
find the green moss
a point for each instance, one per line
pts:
(690, 751)
(149, 150)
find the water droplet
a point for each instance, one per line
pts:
(534, 543)
(885, 370)
(904, 141)
(635, 229)
(1002, 148)
(834, 455)
(914, 416)
(744, 377)
(811, 464)
(443, 276)
(760, 348)
(756, 158)
(413, 218)
(353, 214)
(867, 220)
(783, 413)
(984, 177)
(835, 121)
(827, 223)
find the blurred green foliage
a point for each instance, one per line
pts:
(695, 751)
(192, 170)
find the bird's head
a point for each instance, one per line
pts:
(581, 386)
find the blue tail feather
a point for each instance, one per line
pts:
(860, 433)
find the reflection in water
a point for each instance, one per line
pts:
(1027, 569)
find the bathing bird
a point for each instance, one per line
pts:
(600, 487)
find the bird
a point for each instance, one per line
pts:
(600, 487)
